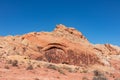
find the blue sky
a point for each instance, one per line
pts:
(98, 20)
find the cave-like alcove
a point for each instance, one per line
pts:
(55, 55)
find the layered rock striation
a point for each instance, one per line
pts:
(63, 45)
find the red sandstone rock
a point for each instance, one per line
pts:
(62, 46)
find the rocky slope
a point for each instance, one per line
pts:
(63, 49)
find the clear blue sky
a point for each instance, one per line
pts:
(98, 20)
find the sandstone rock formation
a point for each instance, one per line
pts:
(61, 46)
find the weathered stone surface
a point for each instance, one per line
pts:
(107, 49)
(63, 45)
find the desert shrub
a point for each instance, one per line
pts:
(98, 73)
(85, 78)
(39, 66)
(30, 67)
(69, 69)
(117, 79)
(58, 77)
(112, 75)
(37, 79)
(52, 67)
(15, 63)
(99, 76)
(61, 71)
(9, 61)
(6, 67)
(85, 71)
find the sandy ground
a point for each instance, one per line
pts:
(17, 73)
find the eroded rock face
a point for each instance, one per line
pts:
(57, 55)
(63, 45)
(69, 33)
(107, 49)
